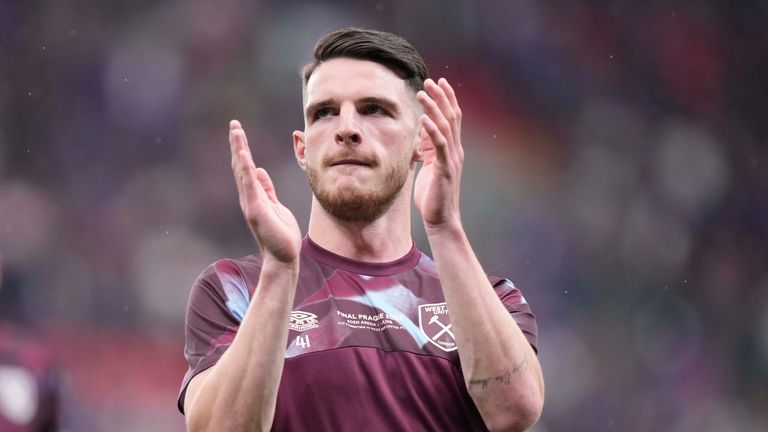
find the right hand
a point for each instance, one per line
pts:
(273, 225)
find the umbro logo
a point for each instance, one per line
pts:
(301, 321)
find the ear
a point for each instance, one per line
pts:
(421, 145)
(298, 149)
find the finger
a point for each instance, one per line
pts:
(249, 187)
(236, 141)
(437, 94)
(239, 150)
(432, 110)
(451, 95)
(437, 138)
(237, 138)
(454, 117)
(455, 122)
(266, 184)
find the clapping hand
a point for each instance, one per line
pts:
(437, 187)
(273, 225)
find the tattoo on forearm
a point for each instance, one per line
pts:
(503, 379)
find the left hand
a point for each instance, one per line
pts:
(437, 187)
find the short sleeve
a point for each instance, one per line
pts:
(217, 304)
(519, 308)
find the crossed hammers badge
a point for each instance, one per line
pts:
(436, 325)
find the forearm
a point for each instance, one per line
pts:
(500, 369)
(240, 391)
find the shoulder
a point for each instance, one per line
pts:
(506, 289)
(227, 274)
(501, 282)
(224, 289)
(244, 267)
(427, 267)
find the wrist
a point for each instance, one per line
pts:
(445, 230)
(272, 266)
(277, 282)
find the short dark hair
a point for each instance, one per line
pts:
(387, 49)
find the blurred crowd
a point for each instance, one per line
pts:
(617, 172)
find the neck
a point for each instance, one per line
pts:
(385, 239)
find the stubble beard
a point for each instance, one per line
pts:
(352, 204)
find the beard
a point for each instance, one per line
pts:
(353, 204)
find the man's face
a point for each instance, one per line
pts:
(360, 137)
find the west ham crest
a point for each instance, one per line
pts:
(436, 325)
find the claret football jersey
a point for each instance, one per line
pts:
(370, 345)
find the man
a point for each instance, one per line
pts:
(352, 328)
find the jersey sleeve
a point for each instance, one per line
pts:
(217, 305)
(519, 308)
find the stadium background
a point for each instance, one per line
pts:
(616, 171)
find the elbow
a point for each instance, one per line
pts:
(517, 416)
(527, 414)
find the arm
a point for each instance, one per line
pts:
(501, 371)
(239, 392)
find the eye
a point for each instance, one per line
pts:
(322, 112)
(373, 109)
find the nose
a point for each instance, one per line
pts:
(348, 129)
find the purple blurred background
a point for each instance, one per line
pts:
(617, 171)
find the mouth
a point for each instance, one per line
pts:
(351, 162)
